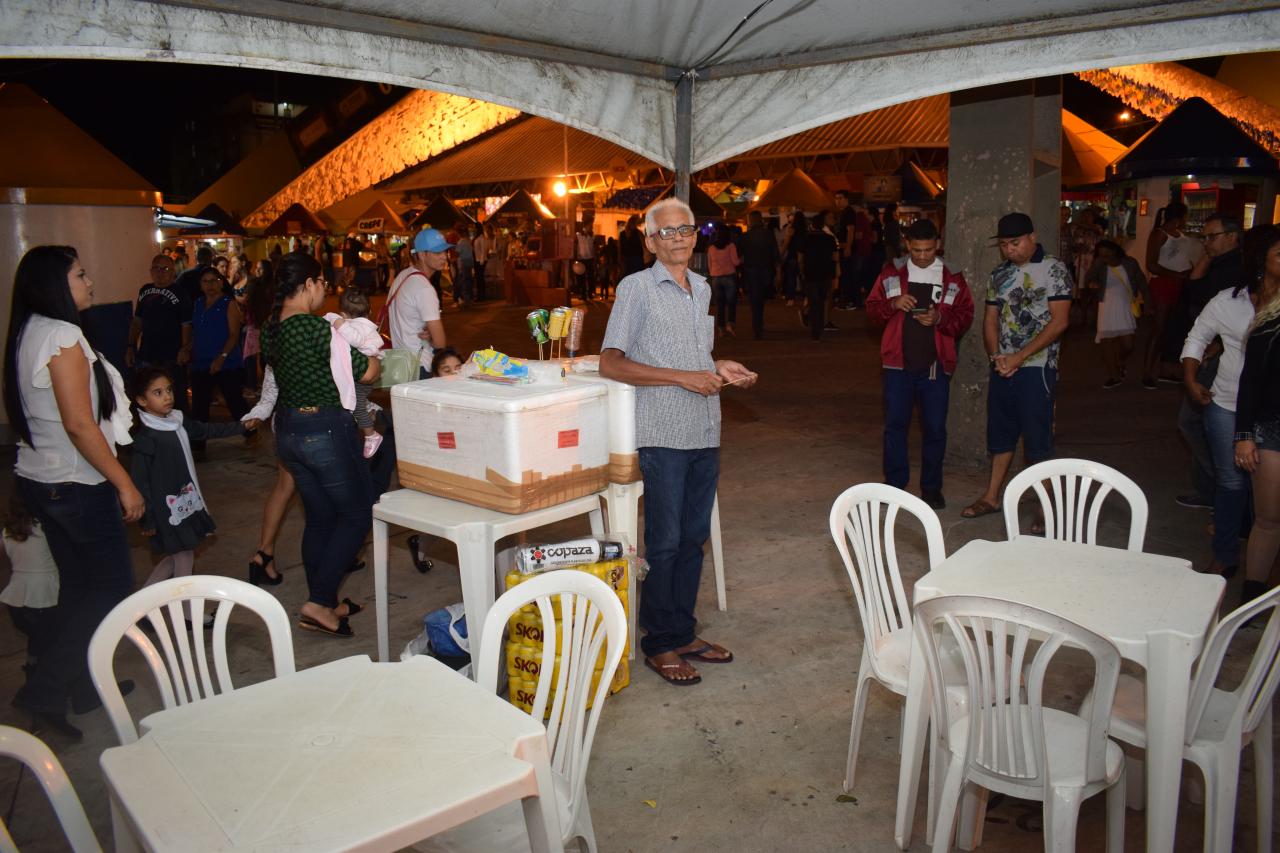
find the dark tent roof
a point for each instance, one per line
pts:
(703, 206)
(523, 204)
(223, 223)
(918, 186)
(641, 198)
(294, 221)
(1193, 138)
(441, 214)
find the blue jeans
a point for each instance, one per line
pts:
(902, 390)
(679, 490)
(323, 452)
(462, 284)
(726, 291)
(86, 533)
(1231, 492)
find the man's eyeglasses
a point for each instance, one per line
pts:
(162, 269)
(670, 232)
(1209, 235)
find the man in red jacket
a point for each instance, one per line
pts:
(925, 306)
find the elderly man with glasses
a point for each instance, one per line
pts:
(1221, 267)
(659, 339)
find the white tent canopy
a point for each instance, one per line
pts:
(686, 84)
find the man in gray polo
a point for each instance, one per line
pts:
(659, 339)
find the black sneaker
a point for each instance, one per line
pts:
(830, 327)
(1111, 383)
(1194, 501)
(935, 500)
(1149, 384)
(1169, 380)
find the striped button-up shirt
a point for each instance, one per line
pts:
(657, 322)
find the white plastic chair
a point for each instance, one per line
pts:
(180, 665)
(31, 751)
(1079, 489)
(1009, 742)
(593, 621)
(863, 521)
(1221, 723)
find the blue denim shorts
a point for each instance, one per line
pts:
(1021, 406)
(1266, 434)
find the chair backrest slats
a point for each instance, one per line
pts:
(1072, 503)
(863, 524)
(177, 656)
(593, 625)
(1257, 689)
(1006, 649)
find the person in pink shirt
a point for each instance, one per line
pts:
(722, 265)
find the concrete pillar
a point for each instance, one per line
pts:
(1005, 155)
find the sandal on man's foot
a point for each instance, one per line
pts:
(669, 672)
(700, 653)
(258, 574)
(979, 508)
(343, 630)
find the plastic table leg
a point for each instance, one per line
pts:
(1169, 661)
(476, 572)
(717, 553)
(380, 587)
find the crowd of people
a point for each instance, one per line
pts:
(232, 327)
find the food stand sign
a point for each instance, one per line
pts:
(882, 188)
(370, 226)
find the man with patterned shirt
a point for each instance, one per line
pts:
(659, 339)
(1028, 305)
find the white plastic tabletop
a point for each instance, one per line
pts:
(1123, 595)
(441, 516)
(350, 754)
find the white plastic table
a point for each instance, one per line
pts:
(475, 531)
(1156, 609)
(350, 755)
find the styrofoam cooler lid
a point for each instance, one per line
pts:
(476, 394)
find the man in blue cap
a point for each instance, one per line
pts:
(413, 304)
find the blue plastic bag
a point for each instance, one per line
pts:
(447, 630)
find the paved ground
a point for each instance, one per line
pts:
(752, 759)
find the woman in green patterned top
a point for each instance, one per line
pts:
(317, 440)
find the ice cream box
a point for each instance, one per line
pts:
(624, 461)
(513, 448)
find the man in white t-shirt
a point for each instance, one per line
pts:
(412, 303)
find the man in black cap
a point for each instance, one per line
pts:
(1028, 305)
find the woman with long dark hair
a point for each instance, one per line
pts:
(317, 440)
(69, 409)
(1257, 447)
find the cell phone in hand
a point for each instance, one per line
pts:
(919, 310)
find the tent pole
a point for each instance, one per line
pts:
(684, 134)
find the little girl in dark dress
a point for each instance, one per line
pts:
(176, 519)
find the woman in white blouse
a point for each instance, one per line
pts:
(68, 407)
(1227, 316)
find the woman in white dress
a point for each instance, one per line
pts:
(1117, 278)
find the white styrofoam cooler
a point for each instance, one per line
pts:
(624, 461)
(512, 448)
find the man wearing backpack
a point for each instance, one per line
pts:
(412, 304)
